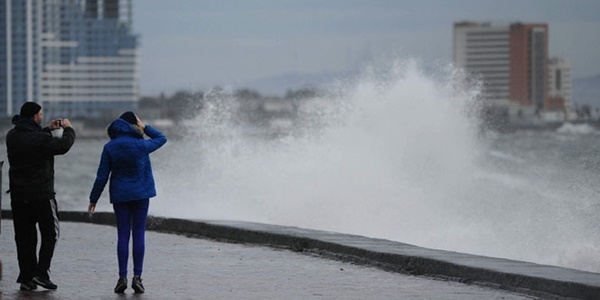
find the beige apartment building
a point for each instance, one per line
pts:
(512, 62)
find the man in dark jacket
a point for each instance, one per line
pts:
(31, 150)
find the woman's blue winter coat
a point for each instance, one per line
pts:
(126, 159)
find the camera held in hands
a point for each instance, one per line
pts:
(59, 123)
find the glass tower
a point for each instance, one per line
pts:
(78, 58)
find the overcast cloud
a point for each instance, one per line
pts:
(195, 44)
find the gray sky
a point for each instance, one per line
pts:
(195, 44)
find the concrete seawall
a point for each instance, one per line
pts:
(546, 282)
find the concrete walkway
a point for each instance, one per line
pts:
(185, 268)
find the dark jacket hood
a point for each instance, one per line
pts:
(18, 121)
(120, 127)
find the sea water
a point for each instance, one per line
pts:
(391, 154)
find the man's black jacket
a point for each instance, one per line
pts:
(31, 151)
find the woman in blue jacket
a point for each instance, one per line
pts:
(125, 160)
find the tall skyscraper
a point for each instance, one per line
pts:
(78, 58)
(511, 60)
(560, 83)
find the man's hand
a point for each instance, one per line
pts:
(55, 124)
(58, 123)
(66, 123)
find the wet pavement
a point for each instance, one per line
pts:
(179, 267)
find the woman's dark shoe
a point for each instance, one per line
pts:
(121, 285)
(136, 285)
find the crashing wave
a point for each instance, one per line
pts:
(569, 128)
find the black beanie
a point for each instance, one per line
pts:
(129, 117)
(29, 109)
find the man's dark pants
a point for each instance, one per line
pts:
(26, 214)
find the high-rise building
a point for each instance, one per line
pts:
(560, 83)
(511, 60)
(483, 50)
(78, 58)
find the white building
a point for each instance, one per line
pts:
(560, 81)
(484, 50)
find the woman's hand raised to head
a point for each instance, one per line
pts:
(140, 123)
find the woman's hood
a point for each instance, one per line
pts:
(121, 127)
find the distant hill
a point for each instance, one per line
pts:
(586, 90)
(280, 84)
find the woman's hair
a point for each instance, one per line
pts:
(129, 117)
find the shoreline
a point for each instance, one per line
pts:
(100, 133)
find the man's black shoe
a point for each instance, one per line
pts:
(136, 285)
(45, 283)
(28, 285)
(121, 285)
